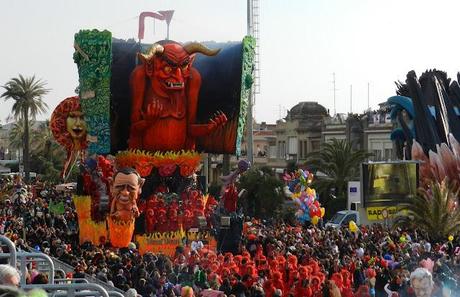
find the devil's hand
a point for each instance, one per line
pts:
(218, 120)
(153, 111)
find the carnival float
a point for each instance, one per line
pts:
(426, 111)
(136, 131)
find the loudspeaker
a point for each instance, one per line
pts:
(229, 238)
(354, 206)
(225, 222)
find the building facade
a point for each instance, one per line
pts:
(300, 132)
(305, 128)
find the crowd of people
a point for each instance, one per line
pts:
(276, 259)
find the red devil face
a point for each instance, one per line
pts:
(167, 170)
(151, 216)
(172, 213)
(162, 216)
(152, 202)
(171, 69)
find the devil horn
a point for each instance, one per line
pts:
(155, 49)
(196, 47)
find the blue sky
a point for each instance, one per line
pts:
(302, 43)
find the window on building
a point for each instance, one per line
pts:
(292, 145)
(305, 148)
(388, 154)
(315, 145)
(272, 152)
(282, 149)
(377, 155)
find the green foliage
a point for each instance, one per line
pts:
(13, 166)
(27, 93)
(47, 155)
(434, 211)
(43, 143)
(214, 189)
(335, 165)
(288, 214)
(265, 196)
(333, 205)
(291, 166)
(17, 134)
(45, 168)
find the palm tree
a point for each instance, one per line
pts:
(264, 197)
(43, 141)
(335, 164)
(27, 92)
(434, 211)
(16, 135)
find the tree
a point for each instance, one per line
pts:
(43, 142)
(27, 93)
(335, 165)
(264, 197)
(47, 155)
(16, 135)
(434, 211)
(291, 166)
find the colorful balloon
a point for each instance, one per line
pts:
(315, 220)
(309, 208)
(352, 226)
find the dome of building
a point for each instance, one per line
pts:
(307, 109)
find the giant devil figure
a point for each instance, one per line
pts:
(165, 89)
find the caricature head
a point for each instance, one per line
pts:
(76, 125)
(126, 185)
(68, 126)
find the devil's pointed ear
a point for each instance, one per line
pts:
(192, 58)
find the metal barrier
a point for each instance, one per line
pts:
(58, 264)
(70, 280)
(25, 257)
(56, 287)
(116, 294)
(56, 271)
(71, 289)
(11, 248)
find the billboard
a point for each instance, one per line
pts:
(389, 183)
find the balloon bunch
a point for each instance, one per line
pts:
(298, 188)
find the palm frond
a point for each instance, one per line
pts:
(433, 211)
